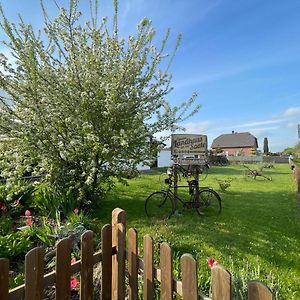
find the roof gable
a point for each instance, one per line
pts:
(235, 140)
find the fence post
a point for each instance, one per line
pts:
(118, 260)
(87, 263)
(166, 267)
(34, 274)
(189, 277)
(133, 264)
(258, 291)
(149, 289)
(106, 277)
(63, 269)
(221, 283)
(4, 276)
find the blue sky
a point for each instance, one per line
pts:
(241, 57)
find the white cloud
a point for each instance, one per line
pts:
(292, 125)
(259, 123)
(198, 127)
(262, 131)
(292, 111)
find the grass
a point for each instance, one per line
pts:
(257, 235)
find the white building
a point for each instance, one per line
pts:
(142, 167)
(164, 158)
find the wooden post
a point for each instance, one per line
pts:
(196, 176)
(189, 277)
(166, 266)
(221, 283)
(258, 291)
(4, 276)
(175, 170)
(149, 289)
(63, 269)
(118, 260)
(298, 178)
(34, 274)
(86, 272)
(133, 264)
(106, 246)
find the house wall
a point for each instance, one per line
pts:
(237, 151)
(142, 167)
(164, 159)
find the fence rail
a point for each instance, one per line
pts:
(117, 262)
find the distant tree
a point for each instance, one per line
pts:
(295, 151)
(80, 102)
(266, 146)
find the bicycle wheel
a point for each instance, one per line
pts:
(209, 203)
(159, 206)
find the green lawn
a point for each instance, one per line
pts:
(256, 236)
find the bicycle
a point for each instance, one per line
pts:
(186, 173)
(161, 204)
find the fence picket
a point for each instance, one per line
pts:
(121, 255)
(166, 267)
(149, 289)
(189, 277)
(34, 274)
(86, 272)
(4, 278)
(106, 246)
(258, 291)
(118, 216)
(221, 283)
(133, 264)
(63, 269)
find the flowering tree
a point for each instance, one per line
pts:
(80, 104)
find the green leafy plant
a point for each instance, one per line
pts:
(224, 184)
(242, 275)
(17, 280)
(15, 244)
(48, 201)
(6, 225)
(14, 196)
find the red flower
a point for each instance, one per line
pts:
(3, 206)
(211, 262)
(27, 213)
(73, 283)
(29, 222)
(76, 211)
(73, 261)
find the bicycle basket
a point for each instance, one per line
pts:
(193, 183)
(168, 181)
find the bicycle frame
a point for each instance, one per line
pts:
(172, 196)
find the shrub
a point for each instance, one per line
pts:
(224, 184)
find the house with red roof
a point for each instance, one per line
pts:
(236, 143)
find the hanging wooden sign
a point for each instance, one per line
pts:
(188, 144)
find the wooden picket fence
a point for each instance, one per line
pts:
(117, 263)
(296, 173)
